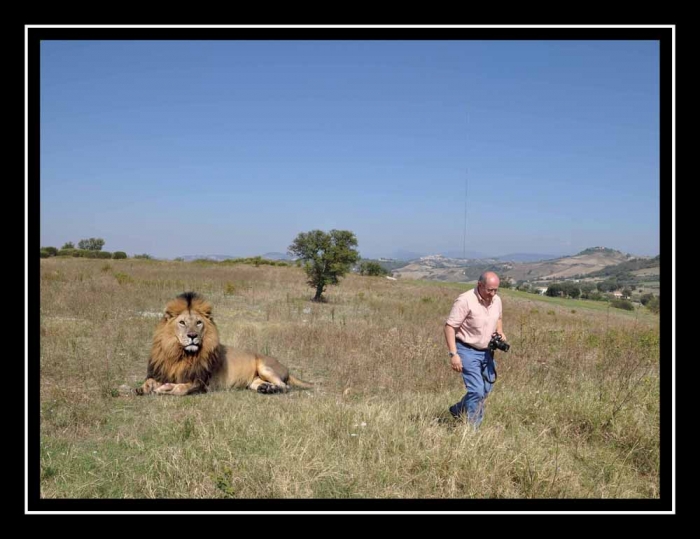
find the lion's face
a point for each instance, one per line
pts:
(187, 325)
(186, 348)
(189, 328)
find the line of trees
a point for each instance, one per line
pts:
(596, 292)
(87, 248)
(584, 290)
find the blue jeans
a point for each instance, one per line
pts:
(479, 374)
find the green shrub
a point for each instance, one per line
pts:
(653, 305)
(43, 253)
(645, 299)
(52, 251)
(622, 304)
(123, 278)
(119, 255)
(372, 269)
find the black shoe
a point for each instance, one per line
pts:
(453, 411)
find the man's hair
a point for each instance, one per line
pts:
(482, 277)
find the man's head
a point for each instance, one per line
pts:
(488, 285)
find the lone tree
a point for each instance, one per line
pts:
(93, 244)
(327, 256)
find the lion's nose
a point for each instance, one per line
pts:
(191, 335)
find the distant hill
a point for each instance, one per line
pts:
(437, 267)
(441, 268)
(406, 255)
(189, 258)
(277, 256)
(219, 258)
(598, 262)
(586, 262)
(631, 266)
(463, 254)
(598, 250)
(388, 264)
(524, 257)
(402, 254)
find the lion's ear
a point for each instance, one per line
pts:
(167, 315)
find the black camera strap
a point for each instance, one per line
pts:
(484, 371)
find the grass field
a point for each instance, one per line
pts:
(575, 412)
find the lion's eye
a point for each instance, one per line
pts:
(181, 322)
(199, 323)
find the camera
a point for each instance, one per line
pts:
(497, 342)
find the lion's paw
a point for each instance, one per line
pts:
(268, 388)
(165, 388)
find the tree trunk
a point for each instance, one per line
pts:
(319, 291)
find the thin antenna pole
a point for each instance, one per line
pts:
(466, 189)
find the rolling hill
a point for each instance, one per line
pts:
(592, 261)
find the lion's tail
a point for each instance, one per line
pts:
(295, 382)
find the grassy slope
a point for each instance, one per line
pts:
(575, 412)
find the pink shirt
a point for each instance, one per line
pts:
(473, 320)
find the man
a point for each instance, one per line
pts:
(475, 316)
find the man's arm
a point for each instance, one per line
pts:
(499, 328)
(455, 360)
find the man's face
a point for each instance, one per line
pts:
(488, 289)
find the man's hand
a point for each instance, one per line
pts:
(456, 363)
(503, 335)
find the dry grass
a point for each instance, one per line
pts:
(574, 414)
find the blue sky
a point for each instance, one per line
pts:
(176, 148)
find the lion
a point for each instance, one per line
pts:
(187, 357)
